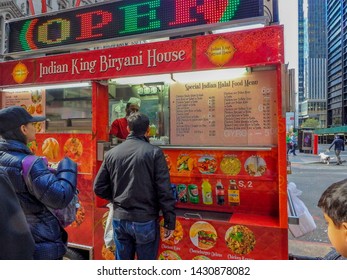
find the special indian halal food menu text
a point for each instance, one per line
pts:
(225, 112)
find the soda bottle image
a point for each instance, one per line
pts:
(220, 193)
(193, 193)
(233, 194)
(206, 192)
(182, 193)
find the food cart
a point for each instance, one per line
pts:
(215, 106)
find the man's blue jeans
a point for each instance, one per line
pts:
(137, 238)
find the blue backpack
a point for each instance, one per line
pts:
(65, 216)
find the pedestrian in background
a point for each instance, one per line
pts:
(16, 241)
(288, 143)
(339, 146)
(294, 143)
(53, 190)
(134, 176)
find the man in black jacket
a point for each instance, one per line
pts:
(135, 178)
(16, 241)
(339, 146)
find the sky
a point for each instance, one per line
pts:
(288, 16)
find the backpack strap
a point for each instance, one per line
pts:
(27, 164)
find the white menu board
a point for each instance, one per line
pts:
(237, 112)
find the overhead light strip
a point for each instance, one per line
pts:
(44, 87)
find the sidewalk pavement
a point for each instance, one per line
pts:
(306, 158)
(308, 248)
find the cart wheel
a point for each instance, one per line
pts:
(72, 254)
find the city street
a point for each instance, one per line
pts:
(312, 178)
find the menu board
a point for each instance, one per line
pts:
(239, 112)
(33, 101)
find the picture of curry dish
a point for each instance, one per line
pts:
(177, 235)
(240, 239)
(50, 149)
(73, 148)
(255, 166)
(203, 235)
(230, 165)
(207, 165)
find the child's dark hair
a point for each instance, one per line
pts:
(333, 202)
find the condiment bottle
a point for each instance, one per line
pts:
(233, 194)
(220, 193)
(206, 192)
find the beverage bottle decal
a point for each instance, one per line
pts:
(233, 194)
(220, 193)
(206, 192)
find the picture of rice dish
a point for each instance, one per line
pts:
(230, 165)
(240, 239)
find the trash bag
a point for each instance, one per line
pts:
(306, 222)
(108, 233)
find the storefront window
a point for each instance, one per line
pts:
(152, 99)
(69, 109)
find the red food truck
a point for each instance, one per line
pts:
(216, 109)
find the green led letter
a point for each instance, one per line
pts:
(132, 16)
(229, 13)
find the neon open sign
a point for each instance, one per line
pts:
(124, 18)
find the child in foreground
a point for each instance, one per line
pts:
(333, 202)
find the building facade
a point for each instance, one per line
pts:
(314, 52)
(337, 63)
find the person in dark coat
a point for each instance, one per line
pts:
(134, 176)
(339, 146)
(52, 190)
(333, 203)
(16, 241)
